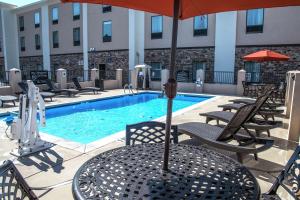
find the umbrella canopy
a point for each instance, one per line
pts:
(182, 9)
(266, 55)
(142, 66)
(191, 8)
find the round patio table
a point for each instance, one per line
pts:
(134, 172)
(6, 99)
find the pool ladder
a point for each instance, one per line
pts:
(129, 88)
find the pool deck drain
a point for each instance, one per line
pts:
(59, 163)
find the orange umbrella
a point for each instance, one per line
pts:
(191, 8)
(266, 55)
(182, 9)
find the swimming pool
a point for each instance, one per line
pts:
(93, 120)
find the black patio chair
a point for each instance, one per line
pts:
(51, 87)
(86, 89)
(288, 179)
(13, 185)
(149, 132)
(246, 88)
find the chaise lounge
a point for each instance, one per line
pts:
(258, 125)
(222, 138)
(86, 89)
(53, 89)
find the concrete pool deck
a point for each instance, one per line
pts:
(59, 164)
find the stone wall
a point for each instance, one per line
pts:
(267, 68)
(184, 57)
(30, 63)
(118, 59)
(73, 63)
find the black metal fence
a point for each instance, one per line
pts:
(267, 78)
(221, 77)
(80, 74)
(38, 76)
(4, 78)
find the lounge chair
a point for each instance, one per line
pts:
(260, 101)
(86, 89)
(269, 104)
(149, 132)
(53, 89)
(288, 179)
(24, 87)
(251, 123)
(220, 137)
(7, 99)
(13, 185)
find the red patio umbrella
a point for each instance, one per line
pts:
(266, 55)
(182, 9)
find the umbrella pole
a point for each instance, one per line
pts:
(171, 85)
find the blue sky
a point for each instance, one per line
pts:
(19, 2)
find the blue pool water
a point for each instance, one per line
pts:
(90, 121)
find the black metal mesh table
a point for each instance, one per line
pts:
(134, 172)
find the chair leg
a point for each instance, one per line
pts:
(269, 134)
(257, 133)
(239, 157)
(255, 156)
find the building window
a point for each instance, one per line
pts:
(76, 36)
(156, 68)
(196, 66)
(106, 8)
(156, 27)
(252, 72)
(76, 11)
(55, 15)
(200, 25)
(22, 43)
(255, 21)
(37, 39)
(107, 32)
(21, 23)
(55, 39)
(37, 20)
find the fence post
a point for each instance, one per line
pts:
(14, 78)
(119, 77)
(61, 78)
(94, 74)
(200, 77)
(289, 91)
(240, 78)
(164, 78)
(294, 125)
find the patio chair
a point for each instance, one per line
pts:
(246, 88)
(288, 179)
(86, 89)
(263, 111)
(52, 88)
(24, 87)
(251, 123)
(218, 137)
(149, 132)
(268, 104)
(13, 185)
